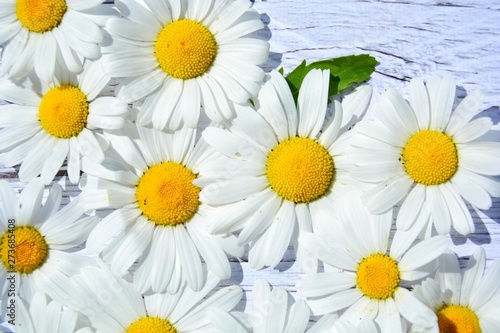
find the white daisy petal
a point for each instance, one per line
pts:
(14, 135)
(83, 4)
(449, 277)
(329, 252)
(33, 163)
(141, 86)
(311, 104)
(364, 308)
(233, 190)
(404, 111)
(487, 288)
(326, 283)
(213, 255)
(355, 105)
(160, 10)
(298, 317)
(413, 310)
(232, 145)
(480, 157)
(419, 102)
(134, 30)
(259, 221)
(89, 146)
(472, 275)
(129, 63)
(385, 195)
(388, 317)
(330, 134)
(471, 192)
(276, 315)
(109, 227)
(81, 27)
(45, 58)
(70, 57)
(335, 302)
(473, 130)
(163, 246)
(411, 207)
(12, 114)
(441, 96)
(489, 325)
(385, 112)
(86, 49)
(132, 245)
(54, 161)
(423, 252)
(460, 216)
(254, 127)
(189, 259)
(135, 11)
(440, 212)
(465, 111)
(271, 107)
(402, 240)
(18, 95)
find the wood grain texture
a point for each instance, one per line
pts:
(410, 39)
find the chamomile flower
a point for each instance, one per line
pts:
(53, 122)
(427, 157)
(35, 240)
(270, 313)
(183, 54)
(284, 171)
(113, 305)
(46, 34)
(40, 316)
(463, 304)
(159, 219)
(367, 282)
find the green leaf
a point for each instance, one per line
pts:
(344, 71)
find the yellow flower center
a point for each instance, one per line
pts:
(166, 194)
(185, 49)
(430, 157)
(378, 276)
(63, 111)
(151, 325)
(300, 169)
(30, 249)
(457, 319)
(40, 15)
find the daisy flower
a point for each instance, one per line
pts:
(113, 305)
(159, 218)
(463, 304)
(270, 313)
(42, 317)
(47, 124)
(428, 157)
(183, 54)
(35, 240)
(283, 170)
(367, 282)
(46, 34)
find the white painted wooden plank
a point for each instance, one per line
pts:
(410, 39)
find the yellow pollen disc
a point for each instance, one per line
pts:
(63, 111)
(166, 194)
(378, 276)
(185, 49)
(457, 319)
(300, 169)
(430, 157)
(40, 15)
(151, 325)
(31, 250)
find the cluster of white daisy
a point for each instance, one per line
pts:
(374, 200)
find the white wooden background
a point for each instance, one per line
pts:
(410, 39)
